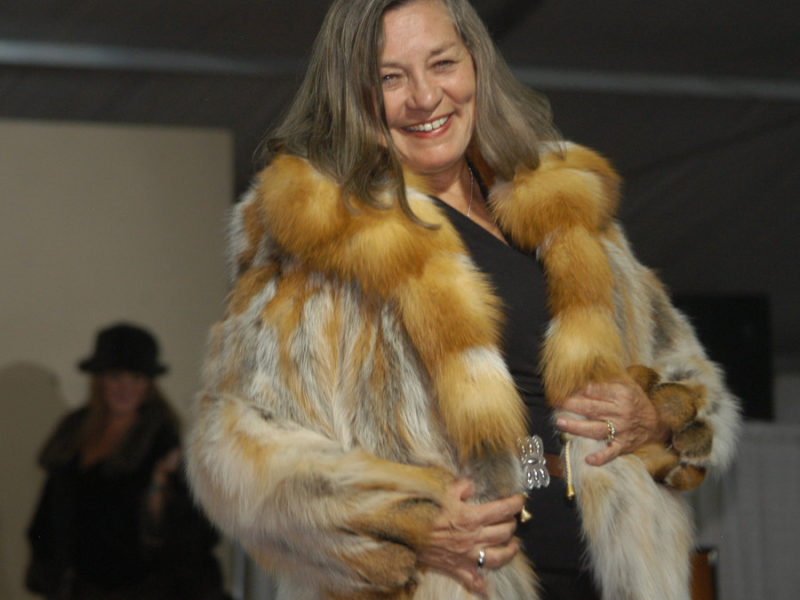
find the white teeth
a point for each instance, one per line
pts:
(430, 126)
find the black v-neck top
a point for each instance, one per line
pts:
(552, 537)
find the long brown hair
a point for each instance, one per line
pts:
(333, 121)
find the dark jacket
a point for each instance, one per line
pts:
(90, 526)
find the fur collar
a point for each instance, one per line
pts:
(63, 446)
(561, 210)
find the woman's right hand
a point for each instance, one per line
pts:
(461, 530)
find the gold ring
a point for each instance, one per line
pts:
(612, 432)
(481, 558)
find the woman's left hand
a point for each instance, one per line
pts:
(626, 406)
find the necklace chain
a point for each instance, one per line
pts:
(469, 206)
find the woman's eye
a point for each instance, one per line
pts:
(389, 78)
(445, 63)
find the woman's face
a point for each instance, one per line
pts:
(124, 391)
(428, 84)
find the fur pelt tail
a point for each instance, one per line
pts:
(640, 532)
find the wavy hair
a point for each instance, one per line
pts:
(337, 121)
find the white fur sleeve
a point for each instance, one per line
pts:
(273, 456)
(661, 337)
(680, 358)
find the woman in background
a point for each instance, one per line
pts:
(113, 486)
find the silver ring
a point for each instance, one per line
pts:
(481, 558)
(612, 432)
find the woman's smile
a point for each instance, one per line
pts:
(436, 125)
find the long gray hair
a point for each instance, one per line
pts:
(333, 121)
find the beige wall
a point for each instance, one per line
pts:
(97, 223)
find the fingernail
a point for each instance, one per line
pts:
(560, 422)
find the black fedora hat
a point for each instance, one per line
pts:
(124, 347)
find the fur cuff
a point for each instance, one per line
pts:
(690, 440)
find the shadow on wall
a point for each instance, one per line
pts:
(31, 402)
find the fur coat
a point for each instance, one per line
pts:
(356, 373)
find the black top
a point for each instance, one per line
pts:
(552, 537)
(108, 513)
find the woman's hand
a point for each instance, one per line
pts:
(462, 530)
(626, 406)
(165, 467)
(162, 471)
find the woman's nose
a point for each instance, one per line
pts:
(425, 94)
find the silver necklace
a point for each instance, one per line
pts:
(469, 206)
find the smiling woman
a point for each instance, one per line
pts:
(426, 275)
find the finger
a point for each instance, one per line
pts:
(583, 405)
(174, 459)
(607, 454)
(463, 488)
(497, 556)
(498, 511)
(497, 535)
(593, 408)
(596, 430)
(473, 579)
(605, 391)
